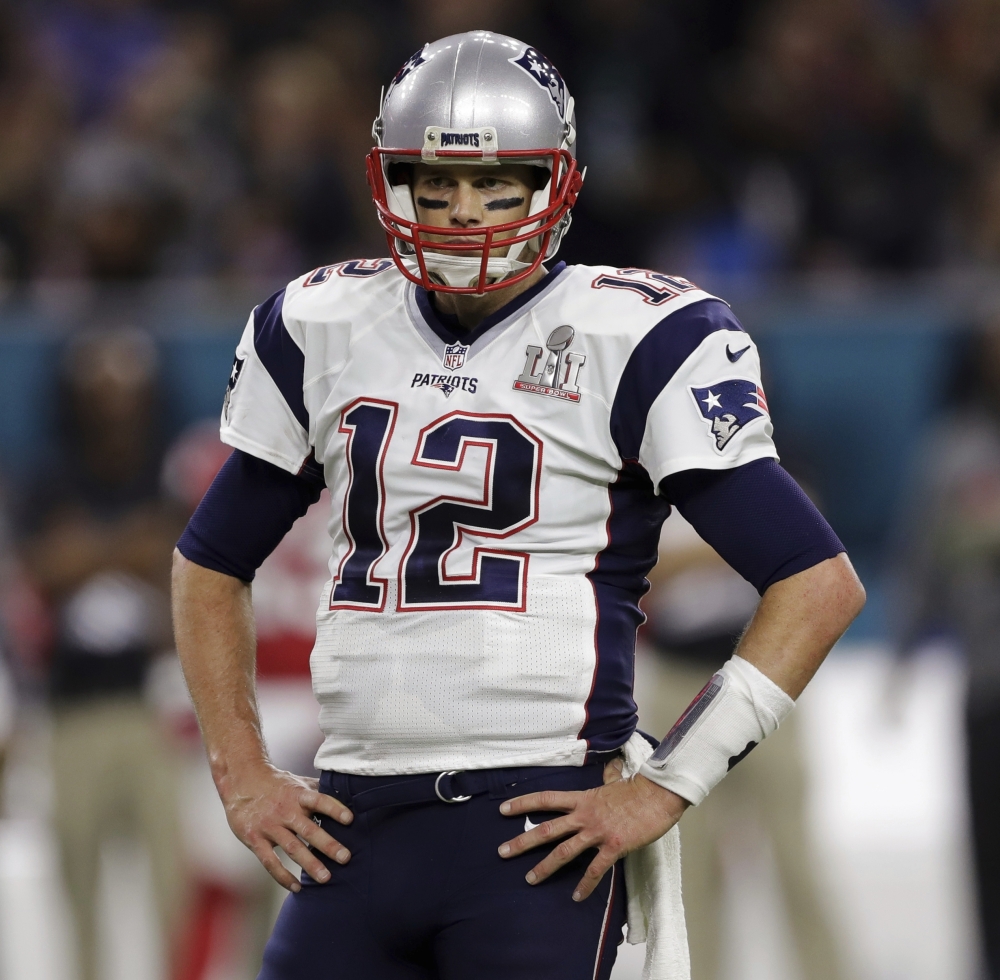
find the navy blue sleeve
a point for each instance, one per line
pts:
(247, 510)
(655, 361)
(756, 517)
(280, 355)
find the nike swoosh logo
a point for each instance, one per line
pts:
(528, 825)
(735, 356)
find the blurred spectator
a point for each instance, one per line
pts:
(432, 19)
(949, 578)
(299, 117)
(829, 87)
(143, 191)
(368, 45)
(8, 707)
(755, 236)
(963, 75)
(254, 26)
(117, 210)
(616, 56)
(32, 120)
(235, 903)
(178, 109)
(723, 136)
(96, 538)
(698, 607)
(96, 48)
(8, 698)
(982, 209)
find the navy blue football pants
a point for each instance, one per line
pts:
(426, 896)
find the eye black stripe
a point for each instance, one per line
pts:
(505, 204)
(426, 202)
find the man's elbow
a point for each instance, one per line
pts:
(859, 596)
(829, 593)
(844, 591)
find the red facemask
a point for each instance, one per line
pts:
(407, 237)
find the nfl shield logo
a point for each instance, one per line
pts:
(454, 356)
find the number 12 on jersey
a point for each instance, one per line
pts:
(508, 504)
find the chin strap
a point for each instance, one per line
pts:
(462, 271)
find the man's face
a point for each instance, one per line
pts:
(466, 196)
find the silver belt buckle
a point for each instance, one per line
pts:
(448, 799)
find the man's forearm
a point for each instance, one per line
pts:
(266, 808)
(799, 620)
(216, 643)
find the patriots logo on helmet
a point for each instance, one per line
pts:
(546, 74)
(727, 406)
(415, 59)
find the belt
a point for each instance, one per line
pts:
(361, 793)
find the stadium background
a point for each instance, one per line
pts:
(830, 167)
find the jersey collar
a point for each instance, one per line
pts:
(435, 330)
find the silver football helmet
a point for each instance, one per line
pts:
(478, 98)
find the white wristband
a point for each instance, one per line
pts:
(736, 711)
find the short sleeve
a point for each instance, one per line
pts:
(263, 412)
(691, 396)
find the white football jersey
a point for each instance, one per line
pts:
(494, 501)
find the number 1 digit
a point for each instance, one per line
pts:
(368, 424)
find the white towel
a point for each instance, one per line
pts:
(653, 884)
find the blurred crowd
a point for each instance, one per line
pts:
(226, 138)
(85, 637)
(150, 141)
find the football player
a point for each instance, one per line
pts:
(502, 439)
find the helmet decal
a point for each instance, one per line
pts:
(546, 74)
(412, 62)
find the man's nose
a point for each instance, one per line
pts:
(466, 206)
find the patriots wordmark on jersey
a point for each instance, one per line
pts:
(494, 509)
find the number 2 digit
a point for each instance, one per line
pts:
(508, 504)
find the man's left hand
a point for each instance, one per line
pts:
(616, 818)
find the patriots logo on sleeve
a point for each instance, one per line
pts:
(234, 376)
(727, 406)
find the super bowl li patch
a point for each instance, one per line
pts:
(727, 406)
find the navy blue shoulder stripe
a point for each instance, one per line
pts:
(280, 355)
(655, 361)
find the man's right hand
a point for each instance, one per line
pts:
(267, 808)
